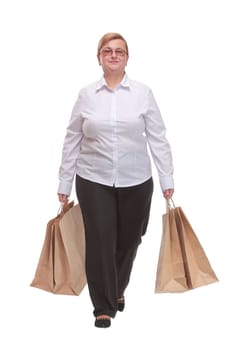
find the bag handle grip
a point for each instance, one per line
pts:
(64, 206)
(170, 204)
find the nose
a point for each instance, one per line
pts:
(113, 53)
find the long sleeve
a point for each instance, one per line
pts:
(158, 144)
(71, 148)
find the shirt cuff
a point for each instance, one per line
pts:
(65, 188)
(166, 182)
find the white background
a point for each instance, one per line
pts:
(182, 49)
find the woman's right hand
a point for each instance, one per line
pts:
(62, 197)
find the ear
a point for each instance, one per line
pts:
(98, 57)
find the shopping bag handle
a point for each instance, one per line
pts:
(170, 204)
(64, 206)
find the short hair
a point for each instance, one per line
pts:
(111, 36)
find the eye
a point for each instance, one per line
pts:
(107, 51)
(120, 52)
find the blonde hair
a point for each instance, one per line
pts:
(110, 36)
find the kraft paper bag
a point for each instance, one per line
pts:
(197, 266)
(61, 266)
(73, 236)
(170, 275)
(182, 263)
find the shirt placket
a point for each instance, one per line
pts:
(114, 137)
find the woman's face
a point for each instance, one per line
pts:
(113, 57)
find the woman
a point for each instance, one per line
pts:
(106, 149)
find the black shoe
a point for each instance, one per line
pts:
(121, 304)
(103, 322)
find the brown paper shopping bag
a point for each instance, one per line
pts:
(61, 266)
(196, 264)
(182, 264)
(170, 276)
(73, 236)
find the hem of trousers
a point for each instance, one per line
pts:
(111, 314)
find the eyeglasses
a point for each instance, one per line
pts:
(107, 51)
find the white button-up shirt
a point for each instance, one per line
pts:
(108, 134)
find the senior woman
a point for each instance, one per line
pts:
(105, 149)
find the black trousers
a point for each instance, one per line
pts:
(115, 220)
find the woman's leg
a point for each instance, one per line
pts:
(133, 215)
(98, 205)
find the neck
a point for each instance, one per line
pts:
(113, 79)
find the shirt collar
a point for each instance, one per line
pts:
(102, 83)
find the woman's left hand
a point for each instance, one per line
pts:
(168, 193)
